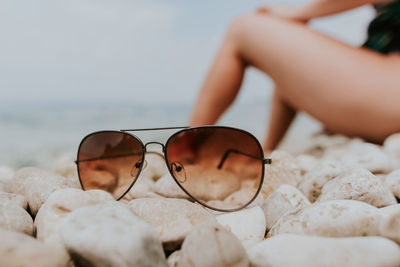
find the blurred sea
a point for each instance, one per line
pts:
(36, 133)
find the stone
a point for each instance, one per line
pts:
(305, 251)
(312, 183)
(391, 147)
(248, 224)
(17, 199)
(167, 187)
(306, 163)
(283, 170)
(6, 175)
(284, 199)
(358, 184)
(368, 156)
(173, 219)
(390, 222)
(36, 185)
(17, 249)
(218, 247)
(335, 218)
(392, 181)
(59, 204)
(110, 235)
(13, 217)
(174, 259)
(65, 165)
(155, 167)
(142, 188)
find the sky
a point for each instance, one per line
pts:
(145, 51)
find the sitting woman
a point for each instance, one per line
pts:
(352, 90)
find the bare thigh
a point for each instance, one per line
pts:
(350, 90)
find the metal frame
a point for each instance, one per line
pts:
(164, 146)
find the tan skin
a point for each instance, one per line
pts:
(352, 91)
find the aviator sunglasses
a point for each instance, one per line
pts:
(222, 168)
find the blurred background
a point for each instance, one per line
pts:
(68, 68)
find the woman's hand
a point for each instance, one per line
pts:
(282, 11)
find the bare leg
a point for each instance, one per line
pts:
(350, 90)
(221, 85)
(282, 114)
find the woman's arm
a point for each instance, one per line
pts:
(318, 8)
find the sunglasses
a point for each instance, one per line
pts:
(222, 168)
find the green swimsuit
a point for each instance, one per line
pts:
(384, 30)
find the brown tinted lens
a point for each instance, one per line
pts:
(109, 161)
(220, 167)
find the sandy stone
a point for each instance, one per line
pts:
(368, 156)
(295, 250)
(390, 222)
(167, 187)
(155, 167)
(312, 183)
(283, 170)
(59, 205)
(13, 217)
(248, 225)
(6, 175)
(392, 181)
(358, 184)
(17, 199)
(17, 249)
(37, 184)
(322, 143)
(306, 163)
(142, 188)
(391, 146)
(218, 247)
(174, 259)
(172, 218)
(110, 235)
(284, 199)
(335, 218)
(65, 166)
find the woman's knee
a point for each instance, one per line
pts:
(243, 24)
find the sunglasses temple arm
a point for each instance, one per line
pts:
(107, 157)
(226, 154)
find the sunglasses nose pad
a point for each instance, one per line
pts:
(179, 171)
(135, 169)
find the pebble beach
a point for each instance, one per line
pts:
(334, 203)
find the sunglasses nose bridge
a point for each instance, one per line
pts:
(154, 143)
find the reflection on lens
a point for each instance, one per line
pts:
(218, 166)
(109, 161)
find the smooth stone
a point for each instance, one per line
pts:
(368, 156)
(390, 222)
(17, 199)
(391, 146)
(155, 167)
(306, 163)
(13, 217)
(110, 235)
(283, 170)
(167, 187)
(172, 218)
(59, 204)
(37, 184)
(65, 166)
(18, 250)
(174, 259)
(6, 175)
(312, 183)
(321, 144)
(142, 188)
(212, 245)
(248, 224)
(296, 250)
(392, 181)
(334, 218)
(358, 184)
(284, 199)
